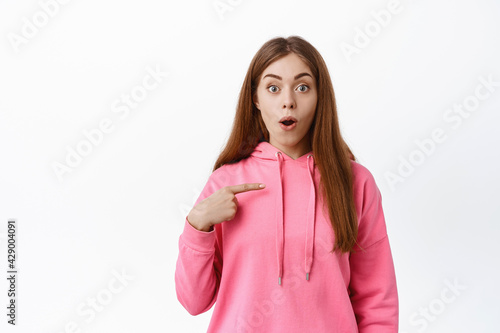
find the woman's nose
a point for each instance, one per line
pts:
(288, 100)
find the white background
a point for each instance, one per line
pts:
(122, 207)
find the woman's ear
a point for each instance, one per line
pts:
(256, 101)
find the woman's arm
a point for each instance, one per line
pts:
(199, 264)
(373, 289)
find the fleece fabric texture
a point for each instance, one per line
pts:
(270, 268)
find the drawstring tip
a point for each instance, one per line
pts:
(307, 276)
(279, 280)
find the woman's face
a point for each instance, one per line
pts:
(287, 88)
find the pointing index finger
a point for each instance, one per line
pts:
(246, 187)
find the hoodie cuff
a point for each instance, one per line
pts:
(202, 241)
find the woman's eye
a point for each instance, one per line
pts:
(272, 87)
(304, 86)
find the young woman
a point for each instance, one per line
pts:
(308, 251)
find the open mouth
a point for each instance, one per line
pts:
(288, 122)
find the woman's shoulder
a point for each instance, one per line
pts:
(359, 170)
(227, 171)
(362, 175)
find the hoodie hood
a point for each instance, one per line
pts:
(264, 150)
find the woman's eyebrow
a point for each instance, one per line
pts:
(298, 76)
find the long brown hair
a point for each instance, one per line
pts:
(331, 153)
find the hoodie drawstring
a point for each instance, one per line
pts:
(309, 244)
(279, 222)
(309, 251)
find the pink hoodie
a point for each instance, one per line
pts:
(270, 269)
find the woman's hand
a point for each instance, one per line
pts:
(219, 207)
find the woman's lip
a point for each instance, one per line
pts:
(288, 118)
(289, 127)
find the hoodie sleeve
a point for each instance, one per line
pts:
(372, 288)
(199, 263)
